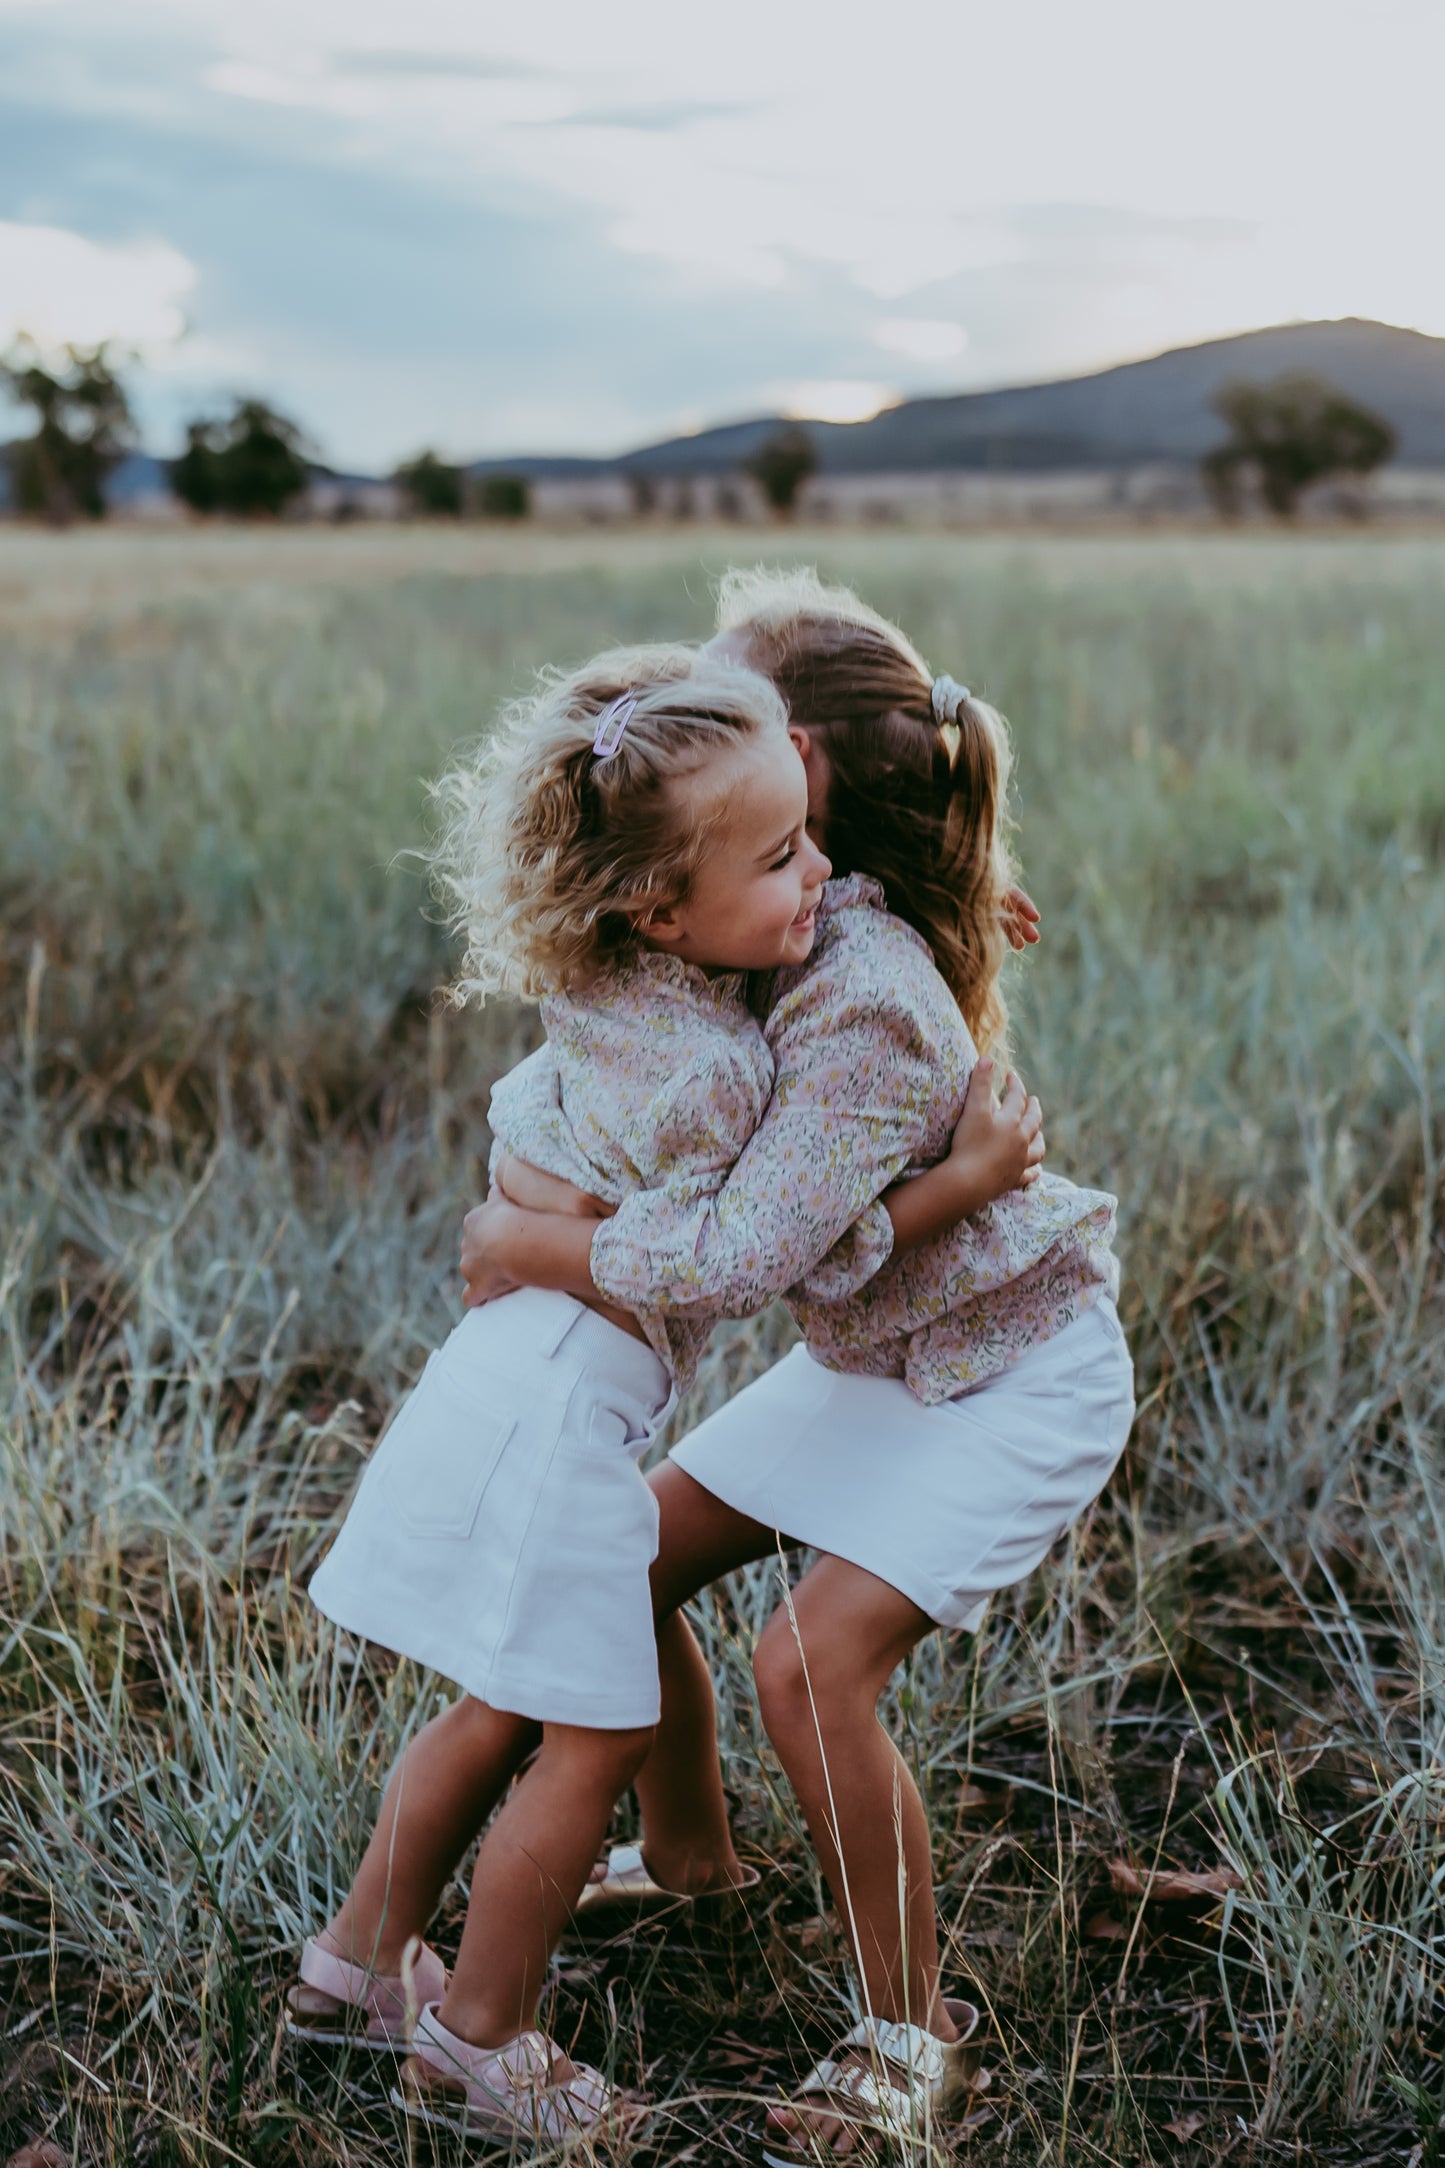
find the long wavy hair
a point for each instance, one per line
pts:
(546, 858)
(919, 805)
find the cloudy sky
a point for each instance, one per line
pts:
(560, 225)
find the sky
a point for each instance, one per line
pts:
(559, 226)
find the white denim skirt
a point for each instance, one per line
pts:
(947, 1504)
(502, 1532)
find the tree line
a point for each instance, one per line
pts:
(1284, 438)
(249, 463)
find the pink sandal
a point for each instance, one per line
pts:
(338, 2004)
(505, 2093)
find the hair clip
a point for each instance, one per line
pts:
(948, 698)
(612, 725)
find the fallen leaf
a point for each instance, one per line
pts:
(40, 2153)
(1103, 1927)
(1184, 2126)
(996, 1801)
(1175, 1885)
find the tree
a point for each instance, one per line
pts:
(83, 430)
(254, 462)
(782, 465)
(1289, 434)
(435, 490)
(504, 496)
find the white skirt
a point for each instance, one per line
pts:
(502, 1532)
(947, 1504)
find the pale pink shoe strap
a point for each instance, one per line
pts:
(379, 1994)
(516, 2077)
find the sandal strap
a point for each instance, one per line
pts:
(379, 1994)
(626, 1869)
(920, 2059)
(853, 2085)
(908, 2047)
(516, 2078)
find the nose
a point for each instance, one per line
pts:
(823, 867)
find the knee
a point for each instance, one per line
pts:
(799, 1688)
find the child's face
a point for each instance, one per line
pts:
(752, 902)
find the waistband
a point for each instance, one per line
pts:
(561, 1327)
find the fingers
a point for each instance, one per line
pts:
(1031, 1120)
(1012, 1105)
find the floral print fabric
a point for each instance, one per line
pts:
(872, 1062)
(654, 1079)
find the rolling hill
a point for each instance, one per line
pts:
(1140, 412)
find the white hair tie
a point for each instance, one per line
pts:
(948, 698)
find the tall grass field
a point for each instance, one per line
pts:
(237, 1135)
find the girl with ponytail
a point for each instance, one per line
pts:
(951, 1411)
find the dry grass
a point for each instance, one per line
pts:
(236, 1139)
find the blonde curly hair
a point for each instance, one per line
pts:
(547, 858)
(919, 804)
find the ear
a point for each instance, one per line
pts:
(800, 738)
(661, 928)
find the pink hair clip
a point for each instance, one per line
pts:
(612, 726)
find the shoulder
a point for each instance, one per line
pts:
(868, 965)
(653, 990)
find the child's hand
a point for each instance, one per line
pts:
(1020, 915)
(525, 1185)
(485, 1232)
(999, 1143)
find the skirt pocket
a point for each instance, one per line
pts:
(440, 1455)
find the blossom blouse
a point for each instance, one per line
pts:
(653, 1078)
(872, 1063)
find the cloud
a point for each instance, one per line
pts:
(567, 228)
(832, 399)
(921, 338)
(60, 289)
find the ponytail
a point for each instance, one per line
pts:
(918, 773)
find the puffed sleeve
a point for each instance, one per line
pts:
(701, 1118)
(856, 1047)
(525, 1104)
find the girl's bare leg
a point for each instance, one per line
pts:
(687, 1842)
(530, 1871)
(440, 1793)
(819, 1673)
(821, 1664)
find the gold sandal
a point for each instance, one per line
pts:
(627, 1890)
(886, 2080)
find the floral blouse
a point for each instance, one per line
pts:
(653, 1078)
(872, 1058)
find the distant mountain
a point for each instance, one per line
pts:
(1138, 414)
(1141, 412)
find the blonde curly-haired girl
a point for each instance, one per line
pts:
(628, 847)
